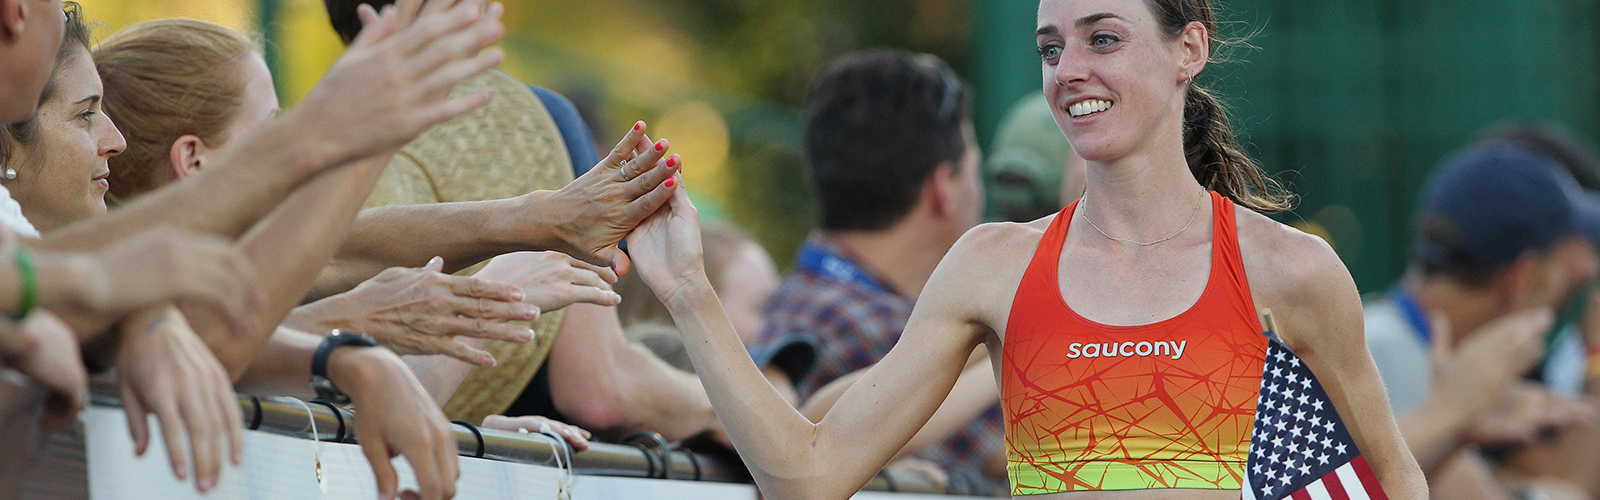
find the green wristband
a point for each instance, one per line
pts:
(29, 279)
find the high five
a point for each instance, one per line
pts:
(1166, 248)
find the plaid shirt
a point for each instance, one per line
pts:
(854, 325)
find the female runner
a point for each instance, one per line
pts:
(1123, 329)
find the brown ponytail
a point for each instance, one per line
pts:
(1209, 145)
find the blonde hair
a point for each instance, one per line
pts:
(163, 80)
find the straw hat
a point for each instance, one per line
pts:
(506, 149)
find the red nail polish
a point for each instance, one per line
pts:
(671, 182)
(672, 161)
(661, 145)
(637, 126)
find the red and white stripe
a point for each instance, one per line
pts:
(1351, 481)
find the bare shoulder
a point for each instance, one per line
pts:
(980, 274)
(1000, 239)
(1282, 261)
(1299, 277)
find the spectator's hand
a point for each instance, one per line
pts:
(422, 310)
(164, 368)
(164, 264)
(667, 248)
(553, 280)
(1474, 376)
(394, 80)
(1527, 410)
(44, 348)
(598, 209)
(394, 417)
(913, 466)
(574, 435)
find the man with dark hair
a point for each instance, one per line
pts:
(895, 169)
(1502, 238)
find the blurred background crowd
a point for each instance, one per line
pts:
(1481, 114)
(1353, 102)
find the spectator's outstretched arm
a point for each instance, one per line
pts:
(390, 85)
(585, 219)
(297, 238)
(152, 267)
(547, 281)
(421, 311)
(394, 416)
(289, 246)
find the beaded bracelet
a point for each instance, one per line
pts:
(29, 279)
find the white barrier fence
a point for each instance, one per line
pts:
(100, 455)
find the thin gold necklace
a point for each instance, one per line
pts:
(1085, 214)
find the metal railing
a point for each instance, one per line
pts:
(646, 456)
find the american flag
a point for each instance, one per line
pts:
(1300, 449)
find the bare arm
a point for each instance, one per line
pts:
(394, 416)
(586, 219)
(1303, 282)
(610, 385)
(974, 392)
(789, 456)
(256, 175)
(290, 246)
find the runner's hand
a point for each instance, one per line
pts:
(666, 246)
(601, 207)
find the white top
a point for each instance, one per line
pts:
(11, 215)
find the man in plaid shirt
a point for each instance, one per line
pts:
(895, 169)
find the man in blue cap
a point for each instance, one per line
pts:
(1501, 239)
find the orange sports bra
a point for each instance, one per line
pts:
(1170, 404)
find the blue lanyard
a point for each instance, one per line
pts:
(1413, 313)
(819, 259)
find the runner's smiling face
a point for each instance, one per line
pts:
(1114, 80)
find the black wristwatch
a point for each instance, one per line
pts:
(326, 391)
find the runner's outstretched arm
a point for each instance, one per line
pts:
(789, 456)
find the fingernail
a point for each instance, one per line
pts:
(527, 335)
(637, 126)
(661, 145)
(671, 182)
(529, 311)
(673, 161)
(516, 294)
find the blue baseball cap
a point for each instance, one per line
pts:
(1488, 204)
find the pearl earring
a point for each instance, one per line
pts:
(11, 174)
